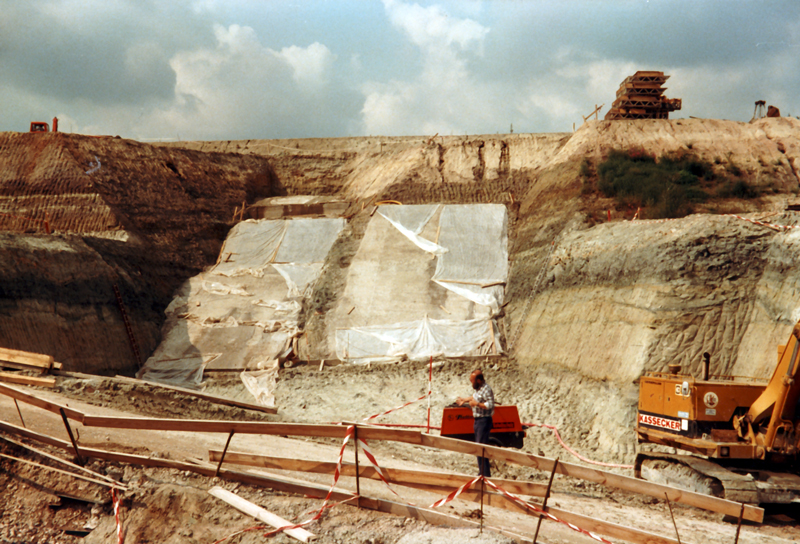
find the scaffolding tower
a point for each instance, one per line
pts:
(640, 96)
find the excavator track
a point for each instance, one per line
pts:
(704, 476)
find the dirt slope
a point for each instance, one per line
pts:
(120, 213)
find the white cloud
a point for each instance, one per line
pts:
(432, 26)
(309, 64)
(243, 87)
(444, 96)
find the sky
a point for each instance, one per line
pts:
(160, 70)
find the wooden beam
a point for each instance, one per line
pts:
(60, 460)
(609, 479)
(437, 481)
(26, 359)
(33, 400)
(211, 426)
(291, 485)
(200, 395)
(706, 502)
(444, 483)
(78, 476)
(13, 377)
(432, 516)
(261, 514)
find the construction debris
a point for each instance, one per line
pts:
(640, 96)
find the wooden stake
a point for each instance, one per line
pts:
(321, 365)
(483, 485)
(669, 504)
(19, 412)
(358, 482)
(81, 461)
(222, 457)
(544, 502)
(739, 525)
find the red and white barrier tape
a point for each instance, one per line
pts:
(336, 473)
(573, 452)
(518, 501)
(762, 223)
(541, 512)
(374, 462)
(396, 408)
(455, 493)
(116, 501)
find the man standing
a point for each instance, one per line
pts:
(482, 404)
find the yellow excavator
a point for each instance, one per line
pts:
(744, 434)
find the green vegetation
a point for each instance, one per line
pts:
(668, 187)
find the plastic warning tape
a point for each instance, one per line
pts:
(396, 408)
(336, 473)
(573, 452)
(762, 223)
(116, 500)
(541, 512)
(455, 493)
(374, 462)
(519, 501)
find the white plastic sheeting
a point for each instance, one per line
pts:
(261, 384)
(406, 313)
(417, 340)
(476, 262)
(410, 220)
(244, 312)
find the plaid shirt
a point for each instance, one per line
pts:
(486, 396)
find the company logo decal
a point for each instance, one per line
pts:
(662, 422)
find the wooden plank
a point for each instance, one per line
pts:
(707, 502)
(13, 377)
(406, 436)
(211, 426)
(445, 483)
(60, 460)
(261, 514)
(317, 491)
(609, 479)
(432, 516)
(199, 394)
(78, 476)
(26, 358)
(33, 400)
(437, 481)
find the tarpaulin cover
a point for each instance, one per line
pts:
(438, 296)
(476, 262)
(416, 340)
(244, 312)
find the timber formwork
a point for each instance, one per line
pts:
(640, 96)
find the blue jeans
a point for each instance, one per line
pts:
(482, 427)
